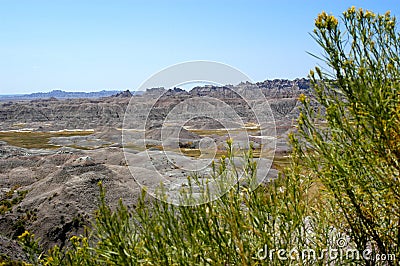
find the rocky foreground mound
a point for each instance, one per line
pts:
(54, 193)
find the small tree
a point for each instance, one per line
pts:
(351, 145)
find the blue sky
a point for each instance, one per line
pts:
(96, 45)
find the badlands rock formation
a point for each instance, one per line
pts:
(56, 114)
(55, 190)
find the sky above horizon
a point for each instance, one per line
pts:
(117, 45)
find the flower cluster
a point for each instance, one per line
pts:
(325, 21)
(302, 98)
(26, 236)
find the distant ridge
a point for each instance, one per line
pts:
(271, 88)
(59, 94)
(124, 94)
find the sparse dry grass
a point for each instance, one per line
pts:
(37, 140)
